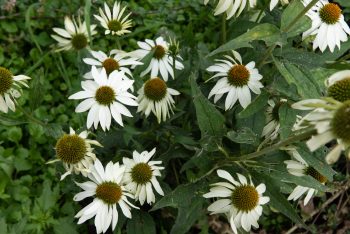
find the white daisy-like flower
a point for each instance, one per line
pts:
(75, 152)
(241, 201)
(274, 3)
(105, 96)
(114, 22)
(236, 79)
(271, 130)
(232, 7)
(299, 167)
(74, 36)
(141, 175)
(156, 97)
(161, 62)
(328, 25)
(108, 192)
(117, 60)
(338, 86)
(331, 120)
(10, 89)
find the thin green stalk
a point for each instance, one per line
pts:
(30, 117)
(223, 29)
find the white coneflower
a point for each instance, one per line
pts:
(117, 60)
(331, 120)
(236, 79)
(301, 168)
(328, 25)
(162, 61)
(114, 22)
(108, 192)
(156, 97)
(339, 86)
(272, 127)
(141, 175)
(274, 3)
(10, 89)
(232, 7)
(105, 96)
(242, 201)
(75, 152)
(74, 36)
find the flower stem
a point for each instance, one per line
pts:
(31, 117)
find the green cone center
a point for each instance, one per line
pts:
(79, 41)
(6, 80)
(71, 149)
(159, 52)
(245, 198)
(155, 89)
(114, 25)
(105, 95)
(238, 75)
(340, 90)
(109, 192)
(315, 174)
(330, 13)
(341, 122)
(141, 173)
(110, 64)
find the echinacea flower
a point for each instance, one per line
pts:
(274, 3)
(116, 61)
(75, 152)
(331, 120)
(240, 200)
(10, 89)
(232, 7)
(105, 97)
(162, 62)
(114, 22)
(236, 79)
(338, 86)
(74, 36)
(155, 96)
(272, 127)
(108, 192)
(328, 25)
(299, 167)
(141, 175)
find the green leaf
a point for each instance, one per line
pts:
(244, 136)
(287, 118)
(29, 27)
(141, 223)
(264, 32)
(64, 226)
(255, 106)
(210, 120)
(7, 121)
(288, 15)
(54, 130)
(37, 90)
(48, 197)
(3, 225)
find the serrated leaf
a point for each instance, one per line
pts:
(287, 118)
(244, 136)
(141, 223)
(255, 106)
(54, 130)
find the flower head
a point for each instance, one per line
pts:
(75, 152)
(108, 192)
(74, 36)
(141, 175)
(232, 7)
(299, 167)
(242, 201)
(328, 25)
(236, 79)
(155, 96)
(105, 97)
(10, 89)
(114, 22)
(339, 86)
(162, 62)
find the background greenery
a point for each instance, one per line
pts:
(192, 144)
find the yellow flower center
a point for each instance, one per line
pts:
(105, 95)
(315, 174)
(245, 198)
(6, 80)
(109, 192)
(330, 13)
(238, 75)
(141, 173)
(341, 122)
(159, 52)
(155, 89)
(110, 64)
(71, 149)
(114, 25)
(340, 90)
(79, 41)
